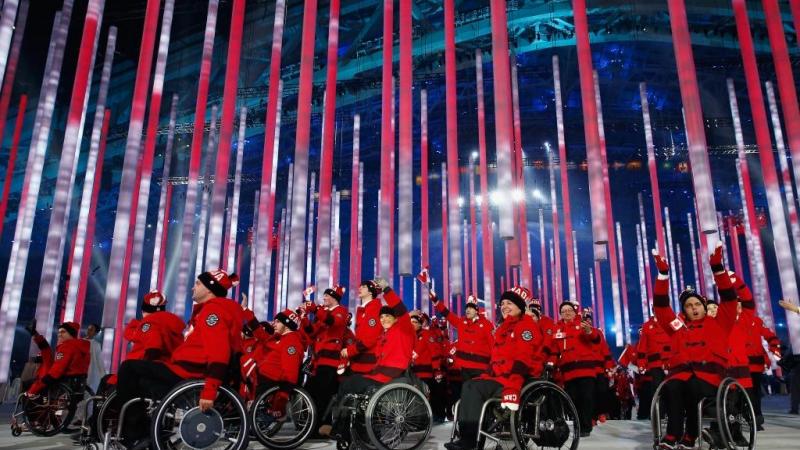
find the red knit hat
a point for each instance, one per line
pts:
(73, 328)
(517, 295)
(337, 292)
(154, 301)
(289, 318)
(218, 281)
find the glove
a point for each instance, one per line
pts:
(661, 263)
(268, 328)
(311, 307)
(715, 260)
(250, 319)
(510, 400)
(277, 407)
(432, 296)
(31, 328)
(381, 283)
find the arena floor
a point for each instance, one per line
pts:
(782, 432)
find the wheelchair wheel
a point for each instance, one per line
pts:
(658, 416)
(546, 418)
(398, 416)
(736, 416)
(178, 422)
(108, 416)
(50, 413)
(283, 434)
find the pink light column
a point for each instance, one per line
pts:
(164, 203)
(81, 254)
(451, 104)
(653, 169)
(558, 290)
(11, 70)
(544, 263)
(646, 248)
(487, 237)
(355, 212)
(387, 142)
(220, 190)
(562, 166)
(590, 127)
(522, 221)
(473, 230)
(192, 185)
(233, 225)
(445, 292)
(405, 181)
(302, 136)
(640, 252)
(326, 159)
(626, 319)
(67, 168)
(12, 158)
(775, 205)
(9, 13)
(425, 259)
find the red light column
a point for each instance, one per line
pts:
(11, 68)
(487, 238)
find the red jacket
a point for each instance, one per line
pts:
(214, 338)
(737, 354)
(654, 346)
(328, 335)
(475, 339)
(422, 358)
(516, 353)
(395, 345)
(754, 330)
(699, 347)
(71, 360)
(279, 359)
(548, 328)
(576, 352)
(155, 337)
(362, 354)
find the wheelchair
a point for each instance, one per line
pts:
(394, 416)
(546, 419)
(52, 411)
(286, 433)
(730, 410)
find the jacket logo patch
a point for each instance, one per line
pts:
(527, 335)
(560, 335)
(212, 320)
(549, 331)
(291, 350)
(145, 328)
(676, 324)
(249, 349)
(59, 355)
(432, 339)
(372, 322)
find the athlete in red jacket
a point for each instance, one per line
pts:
(475, 338)
(71, 357)
(422, 357)
(214, 338)
(517, 342)
(699, 348)
(159, 332)
(654, 349)
(368, 330)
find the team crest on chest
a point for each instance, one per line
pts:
(527, 335)
(145, 328)
(372, 322)
(212, 320)
(291, 350)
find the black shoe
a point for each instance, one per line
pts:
(141, 444)
(458, 445)
(585, 434)
(760, 427)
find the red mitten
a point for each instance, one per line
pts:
(661, 264)
(277, 407)
(509, 399)
(311, 307)
(250, 319)
(715, 260)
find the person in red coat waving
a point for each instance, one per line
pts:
(71, 358)
(516, 347)
(475, 338)
(361, 354)
(699, 351)
(214, 337)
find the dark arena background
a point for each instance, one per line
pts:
(464, 147)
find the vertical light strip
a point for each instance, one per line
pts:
(592, 296)
(543, 256)
(733, 233)
(142, 198)
(310, 241)
(522, 220)
(590, 124)
(392, 184)
(360, 254)
(626, 318)
(783, 251)
(237, 187)
(336, 240)
(465, 252)
(673, 280)
(206, 198)
(81, 258)
(451, 103)
(405, 186)
(646, 249)
(280, 254)
(612, 249)
(679, 257)
(642, 279)
(558, 290)
(562, 165)
(786, 88)
(9, 14)
(695, 133)
(302, 136)
(600, 312)
(11, 69)
(502, 113)
(192, 185)
(473, 231)
(445, 241)
(577, 273)
(696, 263)
(788, 190)
(286, 240)
(387, 141)
(486, 228)
(424, 189)
(254, 245)
(266, 205)
(67, 169)
(164, 203)
(355, 201)
(326, 158)
(753, 231)
(653, 169)
(12, 157)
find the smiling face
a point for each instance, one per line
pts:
(694, 309)
(508, 308)
(567, 313)
(416, 323)
(471, 313)
(387, 320)
(329, 301)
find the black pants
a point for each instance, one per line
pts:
(468, 374)
(322, 386)
(438, 397)
(473, 394)
(582, 392)
(647, 391)
(755, 394)
(146, 379)
(681, 399)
